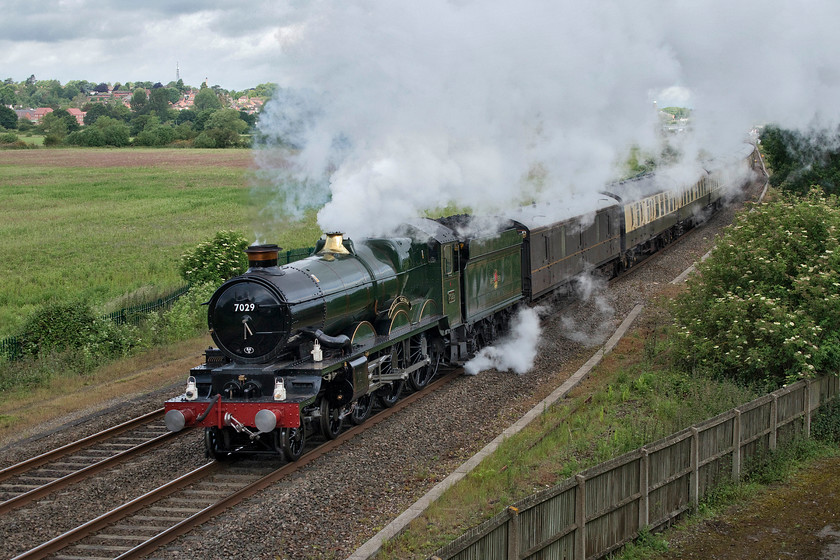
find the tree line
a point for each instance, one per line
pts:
(149, 120)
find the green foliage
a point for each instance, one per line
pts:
(187, 317)
(155, 135)
(799, 160)
(825, 425)
(678, 112)
(765, 308)
(8, 138)
(114, 132)
(85, 137)
(216, 260)
(206, 98)
(104, 132)
(66, 339)
(53, 139)
(139, 99)
(8, 118)
(777, 465)
(217, 138)
(73, 326)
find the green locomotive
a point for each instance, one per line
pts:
(305, 346)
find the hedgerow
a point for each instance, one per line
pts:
(765, 307)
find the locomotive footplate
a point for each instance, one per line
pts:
(265, 415)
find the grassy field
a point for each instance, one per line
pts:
(107, 224)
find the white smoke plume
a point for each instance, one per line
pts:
(389, 108)
(593, 326)
(515, 352)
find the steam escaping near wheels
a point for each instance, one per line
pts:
(515, 352)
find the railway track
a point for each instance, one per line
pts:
(30, 480)
(140, 526)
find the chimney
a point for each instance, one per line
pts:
(262, 256)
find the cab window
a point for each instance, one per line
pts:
(447, 260)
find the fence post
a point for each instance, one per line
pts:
(513, 533)
(580, 518)
(694, 481)
(774, 421)
(644, 501)
(807, 408)
(736, 446)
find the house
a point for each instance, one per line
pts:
(34, 115)
(248, 104)
(78, 113)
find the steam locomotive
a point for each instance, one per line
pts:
(302, 348)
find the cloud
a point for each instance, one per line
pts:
(486, 105)
(117, 41)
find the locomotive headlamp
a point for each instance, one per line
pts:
(279, 389)
(191, 392)
(317, 353)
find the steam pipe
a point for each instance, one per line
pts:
(204, 414)
(341, 341)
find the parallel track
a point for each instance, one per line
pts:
(39, 476)
(144, 524)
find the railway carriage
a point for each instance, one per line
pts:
(304, 347)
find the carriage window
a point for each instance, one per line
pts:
(562, 243)
(447, 260)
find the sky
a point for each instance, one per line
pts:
(231, 44)
(398, 106)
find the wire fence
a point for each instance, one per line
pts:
(12, 347)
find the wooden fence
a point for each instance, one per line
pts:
(603, 508)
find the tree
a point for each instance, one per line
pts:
(800, 161)
(8, 118)
(221, 129)
(114, 132)
(71, 91)
(8, 95)
(226, 119)
(93, 111)
(206, 98)
(140, 122)
(265, 90)
(249, 118)
(102, 87)
(159, 103)
(187, 115)
(59, 123)
(139, 100)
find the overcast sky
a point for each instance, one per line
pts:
(232, 44)
(401, 105)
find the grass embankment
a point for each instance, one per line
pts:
(31, 408)
(633, 397)
(109, 226)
